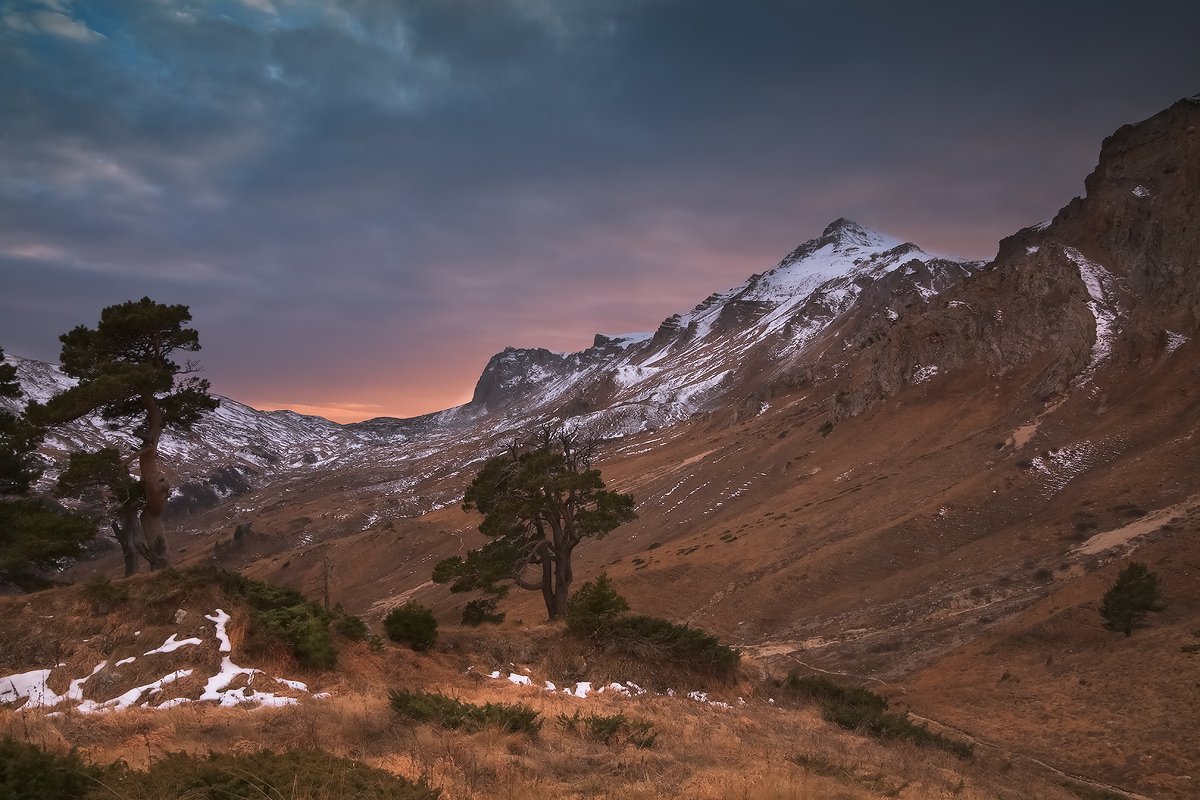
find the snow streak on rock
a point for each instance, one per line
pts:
(1101, 288)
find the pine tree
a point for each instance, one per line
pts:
(126, 373)
(539, 500)
(33, 533)
(18, 439)
(1135, 593)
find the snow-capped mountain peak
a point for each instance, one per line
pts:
(845, 237)
(844, 249)
(627, 384)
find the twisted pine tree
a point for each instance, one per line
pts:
(126, 374)
(539, 501)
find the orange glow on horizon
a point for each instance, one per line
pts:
(358, 412)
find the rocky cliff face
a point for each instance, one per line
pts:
(1141, 220)
(1110, 281)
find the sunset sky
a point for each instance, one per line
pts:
(362, 201)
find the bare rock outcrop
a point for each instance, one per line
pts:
(1111, 280)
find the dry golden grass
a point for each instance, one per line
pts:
(756, 751)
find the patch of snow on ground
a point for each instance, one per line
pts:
(922, 374)
(1175, 341)
(925, 292)
(584, 689)
(1061, 466)
(214, 688)
(628, 375)
(124, 701)
(30, 685)
(702, 697)
(1141, 191)
(221, 619)
(172, 644)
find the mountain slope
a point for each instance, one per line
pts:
(916, 472)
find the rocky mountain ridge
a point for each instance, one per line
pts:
(694, 363)
(852, 317)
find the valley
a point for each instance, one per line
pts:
(915, 473)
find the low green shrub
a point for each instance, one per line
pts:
(858, 709)
(592, 610)
(30, 773)
(482, 610)
(597, 612)
(305, 629)
(853, 699)
(661, 640)
(278, 616)
(349, 626)
(412, 624)
(104, 595)
(819, 765)
(610, 729)
(451, 713)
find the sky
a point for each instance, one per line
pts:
(362, 200)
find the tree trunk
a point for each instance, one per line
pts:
(548, 587)
(126, 534)
(562, 583)
(151, 542)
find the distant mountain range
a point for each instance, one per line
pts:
(857, 313)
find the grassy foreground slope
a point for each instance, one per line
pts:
(734, 738)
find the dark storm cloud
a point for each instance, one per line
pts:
(362, 200)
